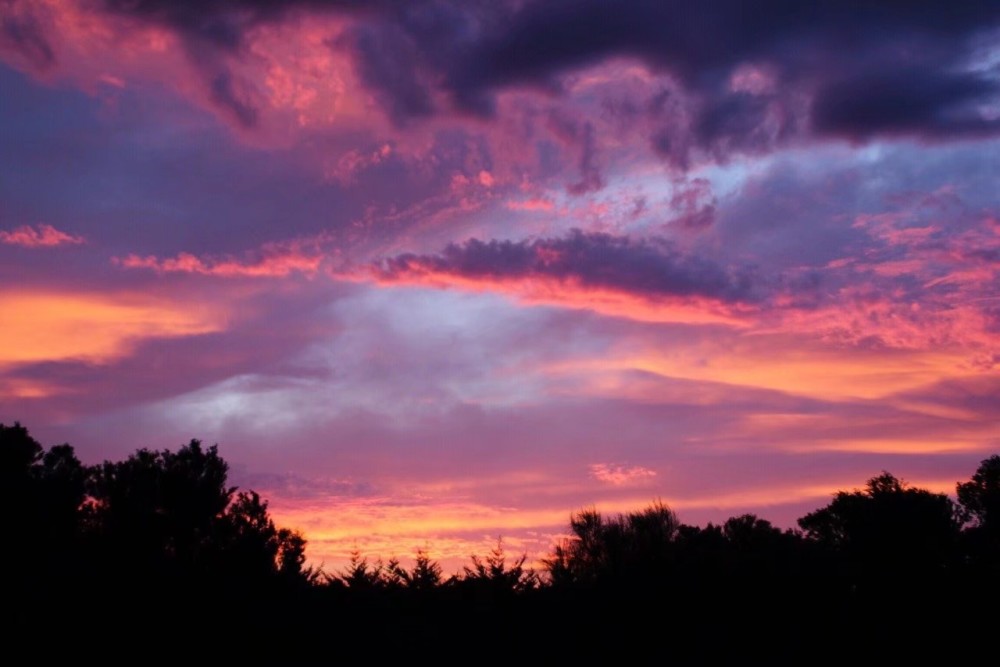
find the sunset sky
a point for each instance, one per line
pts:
(432, 272)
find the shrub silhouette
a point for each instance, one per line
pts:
(623, 549)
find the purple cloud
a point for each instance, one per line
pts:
(926, 83)
(641, 267)
(22, 34)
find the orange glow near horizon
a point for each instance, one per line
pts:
(451, 532)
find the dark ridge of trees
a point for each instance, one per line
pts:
(158, 552)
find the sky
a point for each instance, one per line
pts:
(432, 273)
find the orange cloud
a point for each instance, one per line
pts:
(569, 293)
(56, 326)
(44, 236)
(22, 388)
(894, 446)
(780, 362)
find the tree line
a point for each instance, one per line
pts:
(161, 537)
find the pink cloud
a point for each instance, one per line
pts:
(276, 260)
(536, 204)
(44, 236)
(620, 475)
(355, 161)
(270, 267)
(753, 79)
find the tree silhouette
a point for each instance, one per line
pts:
(497, 575)
(292, 557)
(41, 493)
(171, 521)
(159, 509)
(980, 502)
(361, 575)
(425, 575)
(250, 546)
(980, 497)
(47, 487)
(889, 533)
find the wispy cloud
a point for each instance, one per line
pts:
(42, 236)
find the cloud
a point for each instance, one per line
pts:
(295, 486)
(42, 236)
(590, 175)
(234, 97)
(620, 475)
(221, 23)
(719, 82)
(54, 326)
(918, 285)
(388, 63)
(22, 34)
(276, 260)
(908, 102)
(583, 270)
(747, 80)
(815, 47)
(535, 204)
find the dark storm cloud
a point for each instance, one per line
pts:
(935, 104)
(387, 61)
(224, 22)
(650, 268)
(696, 42)
(825, 49)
